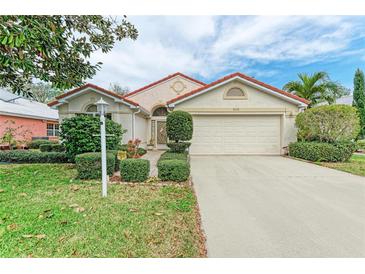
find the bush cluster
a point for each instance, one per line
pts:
(28, 156)
(78, 134)
(322, 152)
(173, 166)
(34, 144)
(140, 151)
(52, 147)
(134, 170)
(361, 144)
(333, 123)
(88, 165)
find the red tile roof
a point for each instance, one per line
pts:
(93, 87)
(253, 80)
(163, 80)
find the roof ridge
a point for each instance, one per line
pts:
(89, 85)
(163, 80)
(244, 76)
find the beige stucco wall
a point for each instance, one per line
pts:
(161, 93)
(121, 113)
(256, 102)
(255, 99)
(141, 130)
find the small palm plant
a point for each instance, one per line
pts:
(317, 88)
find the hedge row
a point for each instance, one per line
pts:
(117, 161)
(88, 165)
(322, 152)
(35, 144)
(27, 156)
(173, 167)
(52, 147)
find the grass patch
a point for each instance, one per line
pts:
(45, 212)
(356, 165)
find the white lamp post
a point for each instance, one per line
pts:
(101, 107)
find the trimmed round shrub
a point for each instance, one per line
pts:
(134, 170)
(178, 147)
(88, 165)
(77, 134)
(179, 126)
(28, 156)
(36, 143)
(333, 123)
(322, 152)
(173, 170)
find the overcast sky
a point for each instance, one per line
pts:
(271, 49)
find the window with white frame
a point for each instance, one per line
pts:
(52, 129)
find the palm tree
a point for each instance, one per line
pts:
(316, 88)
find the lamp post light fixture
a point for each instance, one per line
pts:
(101, 107)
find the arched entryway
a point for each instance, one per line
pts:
(158, 127)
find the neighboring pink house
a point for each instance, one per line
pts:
(29, 119)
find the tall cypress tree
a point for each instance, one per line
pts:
(359, 98)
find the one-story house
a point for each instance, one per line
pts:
(236, 114)
(28, 118)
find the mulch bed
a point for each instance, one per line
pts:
(155, 182)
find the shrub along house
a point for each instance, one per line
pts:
(236, 114)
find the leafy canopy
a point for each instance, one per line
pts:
(41, 92)
(359, 98)
(55, 49)
(316, 88)
(80, 133)
(118, 88)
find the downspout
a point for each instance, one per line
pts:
(134, 123)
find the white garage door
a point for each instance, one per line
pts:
(239, 134)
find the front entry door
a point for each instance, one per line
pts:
(161, 133)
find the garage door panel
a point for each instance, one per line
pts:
(244, 134)
(209, 140)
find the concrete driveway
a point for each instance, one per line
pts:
(258, 206)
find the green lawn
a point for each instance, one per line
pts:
(356, 165)
(45, 212)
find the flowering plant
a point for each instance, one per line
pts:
(132, 148)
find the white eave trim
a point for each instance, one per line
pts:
(274, 93)
(117, 100)
(161, 83)
(35, 117)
